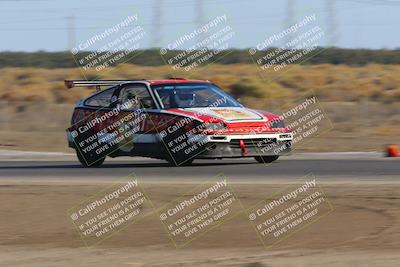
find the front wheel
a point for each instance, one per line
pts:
(266, 159)
(84, 163)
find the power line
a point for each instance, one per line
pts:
(22, 1)
(375, 2)
(108, 8)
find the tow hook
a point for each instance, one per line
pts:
(243, 147)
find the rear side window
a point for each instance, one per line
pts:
(136, 96)
(102, 99)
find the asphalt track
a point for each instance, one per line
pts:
(237, 170)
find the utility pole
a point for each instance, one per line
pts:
(71, 32)
(200, 17)
(289, 20)
(158, 20)
(332, 23)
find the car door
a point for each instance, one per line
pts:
(136, 105)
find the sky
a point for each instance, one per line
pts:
(59, 25)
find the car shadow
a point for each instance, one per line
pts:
(116, 165)
(194, 164)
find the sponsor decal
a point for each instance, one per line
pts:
(231, 114)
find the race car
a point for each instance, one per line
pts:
(175, 119)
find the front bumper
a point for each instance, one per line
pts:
(258, 137)
(236, 146)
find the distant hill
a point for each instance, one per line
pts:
(152, 57)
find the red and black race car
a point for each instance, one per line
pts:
(177, 120)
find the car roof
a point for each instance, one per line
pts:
(179, 81)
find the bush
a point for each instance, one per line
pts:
(245, 87)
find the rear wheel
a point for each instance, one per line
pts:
(84, 163)
(266, 159)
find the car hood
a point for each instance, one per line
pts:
(237, 119)
(229, 114)
(226, 114)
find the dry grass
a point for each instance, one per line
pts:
(330, 82)
(362, 102)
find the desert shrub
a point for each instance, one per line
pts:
(245, 87)
(329, 82)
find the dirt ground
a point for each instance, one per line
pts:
(362, 230)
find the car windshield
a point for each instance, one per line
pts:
(194, 95)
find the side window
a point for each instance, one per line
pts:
(136, 97)
(165, 96)
(102, 99)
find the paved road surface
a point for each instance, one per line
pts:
(238, 170)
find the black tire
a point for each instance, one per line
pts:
(266, 159)
(96, 164)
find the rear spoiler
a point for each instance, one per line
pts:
(98, 84)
